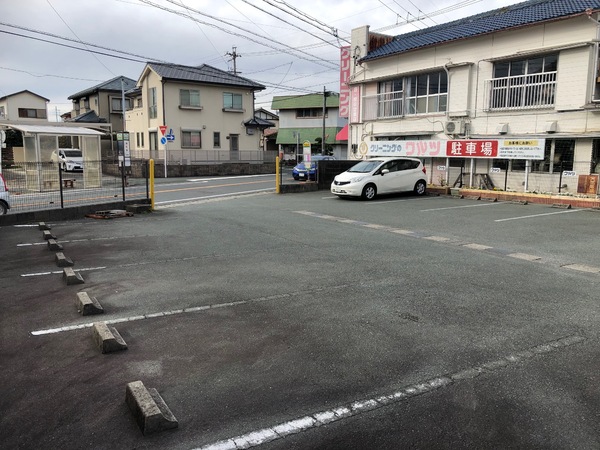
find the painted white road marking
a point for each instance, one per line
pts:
(538, 215)
(460, 207)
(182, 202)
(56, 272)
(524, 256)
(305, 423)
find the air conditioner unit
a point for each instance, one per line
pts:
(249, 131)
(455, 127)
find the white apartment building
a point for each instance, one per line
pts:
(508, 99)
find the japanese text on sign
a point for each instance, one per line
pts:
(461, 148)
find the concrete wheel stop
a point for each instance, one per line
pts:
(53, 245)
(149, 409)
(87, 305)
(72, 277)
(62, 261)
(47, 234)
(107, 338)
(43, 226)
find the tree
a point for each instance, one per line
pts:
(328, 147)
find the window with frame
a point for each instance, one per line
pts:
(191, 139)
(310, 113)
(2, 114)
(189, 98)
(115, 104)
(525, 83)
(31, 113)
(153, 138)
(152, 106)
(559, 155)
(232, 101)
(217, 139)
(417, 94)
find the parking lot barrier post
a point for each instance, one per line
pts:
(277, 175)
(151, 173)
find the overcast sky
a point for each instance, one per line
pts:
(282, 44)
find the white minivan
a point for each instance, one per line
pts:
(4, 197)
(375, 176)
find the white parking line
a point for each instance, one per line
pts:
(209, 197)
(538, 215)
(56, 272)
(460, 207)
(305, 423)
(184, 310)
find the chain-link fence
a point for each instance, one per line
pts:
(40, 185)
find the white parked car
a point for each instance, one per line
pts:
(69, 159)
(4, 197)
(375, 176)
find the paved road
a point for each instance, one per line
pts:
(317, 323)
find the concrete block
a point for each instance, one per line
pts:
(72, 277)
(107, 338)
(53, 245)
(87, 305)
(138, 208)
(47, 234)
(43, 226)
(62, 261)
(149, 409)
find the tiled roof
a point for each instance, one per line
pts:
(304, 101)
(110, 85)
(22, 92)
(518, 15)
(203, 74)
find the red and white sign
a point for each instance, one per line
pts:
(344, 77)
(462, 148)
(163, 129)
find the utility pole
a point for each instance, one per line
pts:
(234, 55)
(325, 95)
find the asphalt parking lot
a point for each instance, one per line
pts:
(302, 321)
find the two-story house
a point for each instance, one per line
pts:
(193, 115)
(301, 119)
(24, 106)
(508, 98)
(102, 103)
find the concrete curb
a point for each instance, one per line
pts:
(62, 261)
(149, 409)
(108, 338)
(71, 277)
(87, 305)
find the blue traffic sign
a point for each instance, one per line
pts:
(170, 137)
(163, 140)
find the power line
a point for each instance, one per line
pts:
(319, 60)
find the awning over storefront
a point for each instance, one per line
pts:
(343, 134)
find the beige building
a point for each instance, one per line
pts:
(24, 106)
(507, 99)
(206, 116)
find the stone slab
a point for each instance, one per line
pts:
(149, 409)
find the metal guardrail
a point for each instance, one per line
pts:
(40, 185)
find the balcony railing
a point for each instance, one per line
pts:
(533, 91)
(386, 105)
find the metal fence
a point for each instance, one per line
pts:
(40, 185)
